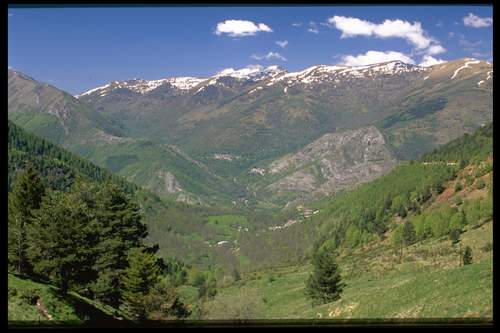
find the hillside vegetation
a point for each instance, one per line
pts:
(392, 277)
(32, 303)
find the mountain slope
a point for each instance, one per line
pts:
(182, 231)
(198, 139)
(38, 304)
(59, 117)
(332, 163)
(387, 278)
(52, 113)
(281, 112)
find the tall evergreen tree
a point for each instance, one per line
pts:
(61, 241)
(139, 277)
(25, 198)
(324, 284)
(120, 229)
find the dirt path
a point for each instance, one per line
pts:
(42, 309)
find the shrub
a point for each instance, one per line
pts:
(12, 292)
(454, 236)
(458, 200)
(467, 256)
(480, 184)
(409, 235)
(30, 295)
(458, 187)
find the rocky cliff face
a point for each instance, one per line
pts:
(332, 163)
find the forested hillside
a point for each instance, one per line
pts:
(404, 246)
(367, 213)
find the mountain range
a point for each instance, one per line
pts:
(261, 137)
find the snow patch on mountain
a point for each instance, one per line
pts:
(143, 86)
(467, 63)
(255, 73)
(322, 73)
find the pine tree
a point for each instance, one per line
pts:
(25, 198)
(61, 241)
(120, 229)
(163, 303)
(138, 279)
(324, 284)
(409, 234)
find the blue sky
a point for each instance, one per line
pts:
(77, 49)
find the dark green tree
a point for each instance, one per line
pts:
(120, 229)
(409, 234)
(61, 240)
(139, 277)
(324, 284)
(467, 256)
(24, 200)
(163, 303)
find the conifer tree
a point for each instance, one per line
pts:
(409, 234)
(139, 277)
(324, 284)
(25, 198)
(61, 241)
(163, 302)
(120, 229)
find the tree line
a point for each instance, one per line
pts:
(89, 239)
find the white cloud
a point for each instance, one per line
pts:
(297, 24)
(240, 28)
(269, 56)
(411, 32)
(282, 43)
(474, 21)
(435, 49)
(428, 60)
(10, 15)
(373, 57)
(249, 69)
(313, 28)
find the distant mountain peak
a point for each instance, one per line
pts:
(251, 72)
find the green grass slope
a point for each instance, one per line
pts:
(33, 303)
(426, 283)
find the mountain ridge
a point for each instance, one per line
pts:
(258, 115)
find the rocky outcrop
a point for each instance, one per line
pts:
(333, 162)
(170, 184)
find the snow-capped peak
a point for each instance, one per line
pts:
(322, 73)
(274, 74)
(143, 86)
(255, 72)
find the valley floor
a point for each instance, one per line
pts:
(426, 282)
